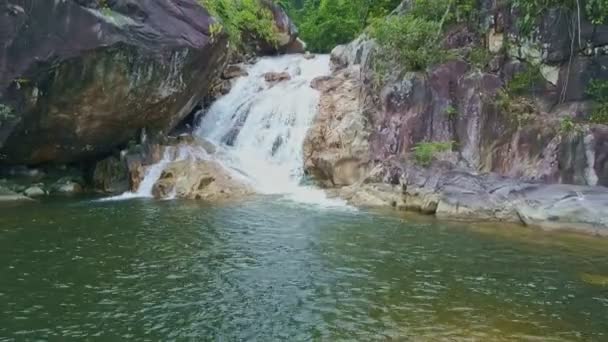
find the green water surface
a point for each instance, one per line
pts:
(272, 270)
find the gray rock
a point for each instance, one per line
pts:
(66, 187)
(10, 196)
(34, 191)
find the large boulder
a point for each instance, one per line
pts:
(78, 78)
(336, 146)
(286, 30)
(199, 179)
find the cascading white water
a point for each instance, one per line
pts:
(261, 126)
(259, 129)
(154, 172)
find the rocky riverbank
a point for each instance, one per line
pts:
(442, 141)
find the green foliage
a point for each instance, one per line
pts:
(480, 57)
(524, 82)
(412, 40)
(520, 109)
(451, 112)
(323, 24)
(598, 91)
(214, 30)
(567, 125)
(105, 8)
(409, 41)
(241, 18)
(446, 11)
(597, 11)
(530, 10)
(425, 152)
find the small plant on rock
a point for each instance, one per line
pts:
(598, 91)
(451, 112)
(425, 152)
(567, 126)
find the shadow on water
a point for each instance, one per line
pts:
(270, 269)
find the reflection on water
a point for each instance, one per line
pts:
(265, 270)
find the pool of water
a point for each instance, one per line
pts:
(266, 269)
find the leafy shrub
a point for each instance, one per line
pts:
(241, 18)
(521, 110)
(525, 81)
(451, 112)
(437, 10)
(530, 10)
(480, 57)
(425, 152)
(409, 41)
(323, 24)
(598, 91)
(567, 125)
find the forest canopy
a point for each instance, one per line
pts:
(323, 24)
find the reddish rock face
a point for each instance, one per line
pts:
(81, 80)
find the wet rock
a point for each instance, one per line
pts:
(111, 176)
(309, 56)
(286, 33)
(11, 196)
(297, 46)
(234, 71)
(276, 77)
(82, 80)
(66, 186)
(336, 147)
(34, 191)
(200, 180)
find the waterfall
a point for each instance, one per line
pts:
(260, 126)
(259, 129)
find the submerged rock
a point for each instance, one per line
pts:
(200, 180)
(276, 77)
(81, 79)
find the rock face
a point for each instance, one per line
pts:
(336, 147)
(200, 180)
(78, 79)
(287, 32)
(460, 195)
(509, 159)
